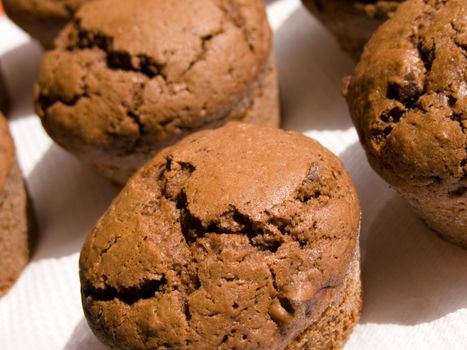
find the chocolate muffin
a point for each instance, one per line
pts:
(42, 19)
(243, 237)
(407, 98)
(15, 240)
(352, 22)
(118, 88)
(4, 100)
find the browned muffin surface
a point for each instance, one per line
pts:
(118, 88)
(241, 237)
(408, 101)
(7, 151)
(15, 240)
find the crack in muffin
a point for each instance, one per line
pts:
(113, 92)
(244, 236)
(407, 98)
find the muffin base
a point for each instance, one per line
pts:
(264, 108)
(443, 210)
(351, 22)
(337, 321)
(457, 238)
(259, 106)
(16, 230)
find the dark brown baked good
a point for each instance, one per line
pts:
(42, 19)
(118, 88)
(15, 240)
(241, 237)
(352, 22)
(4, 98)
(407, 98)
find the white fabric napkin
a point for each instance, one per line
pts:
(415, 285)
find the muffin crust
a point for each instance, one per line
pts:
(15, 240)
(237, 237)
(408, 101)
(113, 93)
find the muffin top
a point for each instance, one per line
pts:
(7, 152)
(127, 74)
(407, 96)
(234, 237)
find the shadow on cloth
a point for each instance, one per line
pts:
(21, 66)
(410, 276)
(82, 338)
(311, 65)
(68, 200)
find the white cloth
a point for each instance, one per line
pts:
(415, 285)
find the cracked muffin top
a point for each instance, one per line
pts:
(130, 73)
(408, 94)
(7, 152)
(232, 238)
